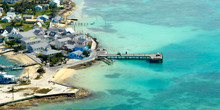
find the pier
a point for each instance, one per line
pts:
(152, 58)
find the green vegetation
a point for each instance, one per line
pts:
(41, 70)
(18, 24)
(86, 53)
(43, 91)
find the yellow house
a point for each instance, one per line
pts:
(32, 21)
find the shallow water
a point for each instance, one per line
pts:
(6, 62)
(185, 31)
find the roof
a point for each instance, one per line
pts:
(39, 45)
(9, 28)
(69, 29)
(80, 46)
(63, 39)
(39, 6)
(78, 52)
(29, 33)
(69, 46)
(11, 13)
(33, 20)
(30, 40)
(52, 33)
(27, 15)
(45, 16)
(50, 52)
(1, 31)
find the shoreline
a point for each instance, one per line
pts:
(32, 72)
(50, 99)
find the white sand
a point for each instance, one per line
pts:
(63, 74)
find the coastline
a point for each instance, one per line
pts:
(31, 72)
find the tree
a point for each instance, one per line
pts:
(13, 22)
(5, 6)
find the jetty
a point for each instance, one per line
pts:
(152, 58)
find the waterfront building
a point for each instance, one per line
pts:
(28, 17)
(39, 47)
(39, 8)
(60, 42)
(7, 79)
(81, 48)
(25, 42)
(75, 54)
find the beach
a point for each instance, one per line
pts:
(63, 74)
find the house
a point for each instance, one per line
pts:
(11, 30)
(43, 17)
(11, 9)
(10, 1)
(28, 17)
(55, 3)
(39, 8)
(12, 15)
(69, 30)
(6, 19)
(18, 17)
(39, 47)
(69, 47)
(81, 48)
(60, 42)
(39, 32)
(7, 79)
(75, 54)
(54, 35)
(50, 52)
(25, 42)
(3, 33)
(1, 9)
(56, 19)
(32, 21)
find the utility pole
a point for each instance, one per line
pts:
(12, 89)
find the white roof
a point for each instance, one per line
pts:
(63, 39)
(69, 29)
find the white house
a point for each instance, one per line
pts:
(27, 42)
(12, 15)
(60, 42)
(39, 47)
(1, 9)
(55, 3)
(28, 17)
(69, 30)
(11, 30)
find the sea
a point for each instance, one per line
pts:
(186, 32)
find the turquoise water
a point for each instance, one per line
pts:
(185, 31)
(6, 62)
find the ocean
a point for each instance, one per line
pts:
(186, 32)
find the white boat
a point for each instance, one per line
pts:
(17, 68)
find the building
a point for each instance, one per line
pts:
(18, 17)
(32, 21)
(1, 10)
(12, 15)
(69, 30)
(11, 30)
(11, 9)
(75, 54)
(60, 42)
(81, 48)
(39, 8)
(39, 47)
(28, 17)
(10, 1)
(6, 19)
(50, 52)
(55, 3)
(68, 47)
(7, 79)
(27, 42)
(3, 33)
(43, 17)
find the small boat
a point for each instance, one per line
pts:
(92, 23)
(17, 68)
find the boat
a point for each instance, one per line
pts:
(92, 23)
(17, 68)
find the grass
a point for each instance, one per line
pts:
(47, 12)
(43, 91)
(25, 27)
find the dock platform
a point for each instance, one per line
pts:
(152, 58)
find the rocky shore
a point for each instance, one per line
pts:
(52, 99)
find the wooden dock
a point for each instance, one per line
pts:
(152, 58)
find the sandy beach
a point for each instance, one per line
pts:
(63, 74)
(21, 58)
